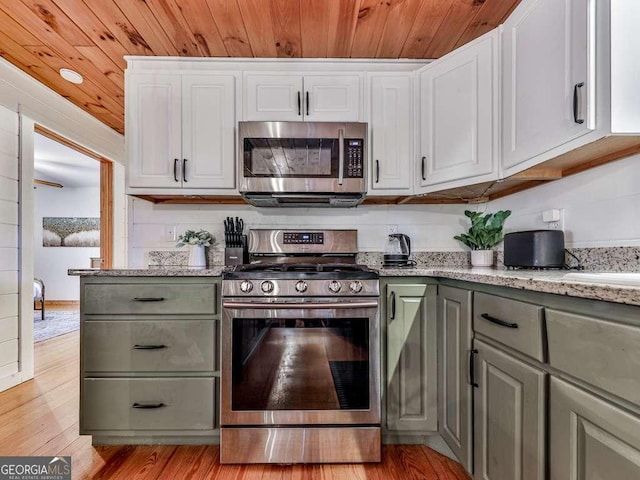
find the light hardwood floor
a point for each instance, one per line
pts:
(40, 417)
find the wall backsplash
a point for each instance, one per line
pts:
(600, 209)
(431, 227)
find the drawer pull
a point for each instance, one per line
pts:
(148, 299)
(472, 368)
(148, 405)
(497, 321)
(149, 347)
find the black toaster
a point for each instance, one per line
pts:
(534, 249)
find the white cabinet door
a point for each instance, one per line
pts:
(273, 97)
(589, 437)
(332, 98)
(391, 134)
(317, 98)
(154, 134)
(208, 122)
(459, 117)
(545, 60)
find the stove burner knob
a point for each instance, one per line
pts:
(355, 286)
(334, 286)
(302, 286)
(266, 286)
(246, 286)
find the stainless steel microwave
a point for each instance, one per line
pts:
(310, 164)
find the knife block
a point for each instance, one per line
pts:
(235, 256)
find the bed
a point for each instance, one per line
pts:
(38, 296)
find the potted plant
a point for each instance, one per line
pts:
(197, 242)
(485, 233)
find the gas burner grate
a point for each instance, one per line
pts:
(302, 267)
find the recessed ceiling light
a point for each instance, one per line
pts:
(71, 75)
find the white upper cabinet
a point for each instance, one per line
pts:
(390, 123)
(208, 126)
(180, 132)
(546, 79)
(459, 117)
(154, 130)
(290, 97)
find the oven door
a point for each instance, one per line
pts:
(300, 361)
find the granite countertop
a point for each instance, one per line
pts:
(546, 281)
(535, 280)
(159, 271)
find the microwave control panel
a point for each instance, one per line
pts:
(295, 238)
(354, 158)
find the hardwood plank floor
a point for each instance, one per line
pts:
(40, 417)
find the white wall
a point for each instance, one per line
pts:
(51, 263)
(9, 247)
(431, 227)
(601, 206)
(29, 101)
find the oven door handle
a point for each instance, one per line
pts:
(304, 306)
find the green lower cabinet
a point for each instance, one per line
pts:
(510, 417)
(590, 437)
(411, 371)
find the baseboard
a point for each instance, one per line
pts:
(70, 304)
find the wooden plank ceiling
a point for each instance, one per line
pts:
(92, 36)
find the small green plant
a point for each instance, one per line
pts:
(485, 231)
(191, 237)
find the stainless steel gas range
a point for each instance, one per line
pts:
(300, 352)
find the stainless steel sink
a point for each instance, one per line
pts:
(614, 278)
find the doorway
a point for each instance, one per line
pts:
(73, 203)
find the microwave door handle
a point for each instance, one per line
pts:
(340, 156)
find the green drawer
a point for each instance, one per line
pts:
(149, 298)
(149, 346)
(172, 404)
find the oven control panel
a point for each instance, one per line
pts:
(303, 238)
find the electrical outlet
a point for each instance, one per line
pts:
(392, 229)
(554, 219)
(170, 233)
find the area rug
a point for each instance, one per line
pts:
(55, 323)
(351, 380)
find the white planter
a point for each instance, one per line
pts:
(197, 257)
(481, 258)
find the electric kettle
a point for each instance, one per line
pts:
(397, 251)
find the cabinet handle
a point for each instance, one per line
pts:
(497, 321)
(148, 299)
(422, 168)
(175, 169)
(148, 405)
(148, 347)
(299, 103)
(340, 156)
(576, 103)
(307, 100)
(472, 368)
(184, 170)
(393, 305)
(377, 171)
